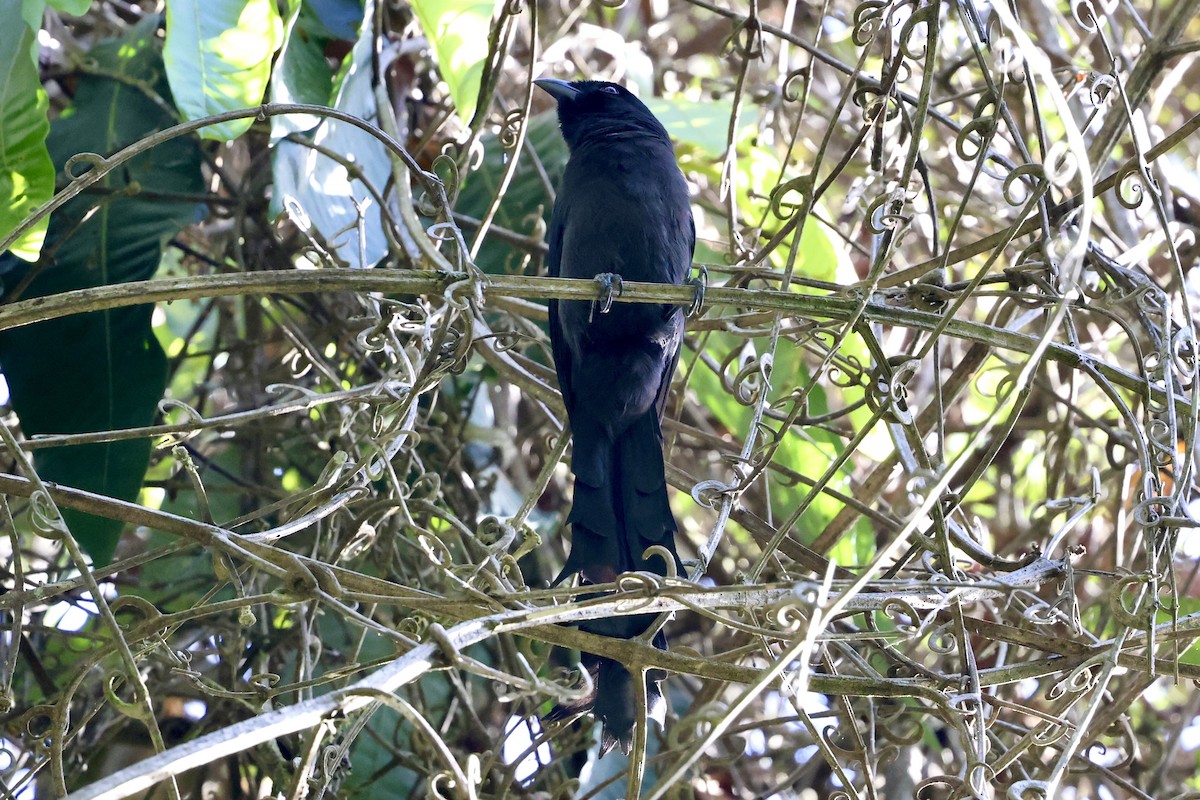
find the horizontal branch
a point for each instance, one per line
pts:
(424, 282)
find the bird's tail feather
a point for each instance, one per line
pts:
(620, 510)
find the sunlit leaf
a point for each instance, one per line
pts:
(458, 30)
(26, 171)
(218, 57)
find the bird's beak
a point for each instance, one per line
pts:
(559, 90)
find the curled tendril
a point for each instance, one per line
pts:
(918, 485)
(868, 20)
(751, 378)
(511, 128)
(1163, 443)
(982, 779)
(1151, 300)
(298, 365)
(922, 16)
(642, 585)
(708, 494)
(1132, 182)
(509, 340)
(1029, 790)
(942, 640)
(1085, 15)
(969, 143)
(435, 549)
(133, 709)
(747, 39)
(901, 612)
(785, 208)
(838, 738)
(1061, 164)
(938, 786)
(47, 520)
(90, 161)
(514, 8)
(138, 609)
(373, 339)
(1031, 264)
(1120, 449)
(495, 534)
(191, 415)
(1081, 679)
(1041, 614)
(38, 723)
(443, 785)
(1049, 733)
(888, 393)
(444, 170)
(886, 212)
(848, 371)
(1100, 88)
(414, 626)
(1028, 178)
(966, 703)
(875, 106)
(794, 83)
(1150, 512)
(657, 550)
(1183, 354)
(790, 616)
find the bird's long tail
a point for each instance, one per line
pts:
(620, 510)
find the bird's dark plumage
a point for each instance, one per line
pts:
(622, 209)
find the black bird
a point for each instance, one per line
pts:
(622, 212)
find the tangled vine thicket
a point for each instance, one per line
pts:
(932, 434)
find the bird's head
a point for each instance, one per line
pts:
(598, 110)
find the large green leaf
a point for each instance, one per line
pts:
(702, 125)
(26, 172)
(76, 8)
(458, 30)
(301, 73)
(218, 57)
(103, 370)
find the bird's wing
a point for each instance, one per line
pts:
(558, 345)
(664, 388)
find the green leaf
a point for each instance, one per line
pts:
(808, 450)
(218, 58)
(26, 171)
(301, 73)
(459, 32)
(704, 126)
(103, 370)
(76, 8)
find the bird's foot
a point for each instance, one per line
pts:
(611, 286)
(699, 286)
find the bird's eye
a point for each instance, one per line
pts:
(610, 89)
